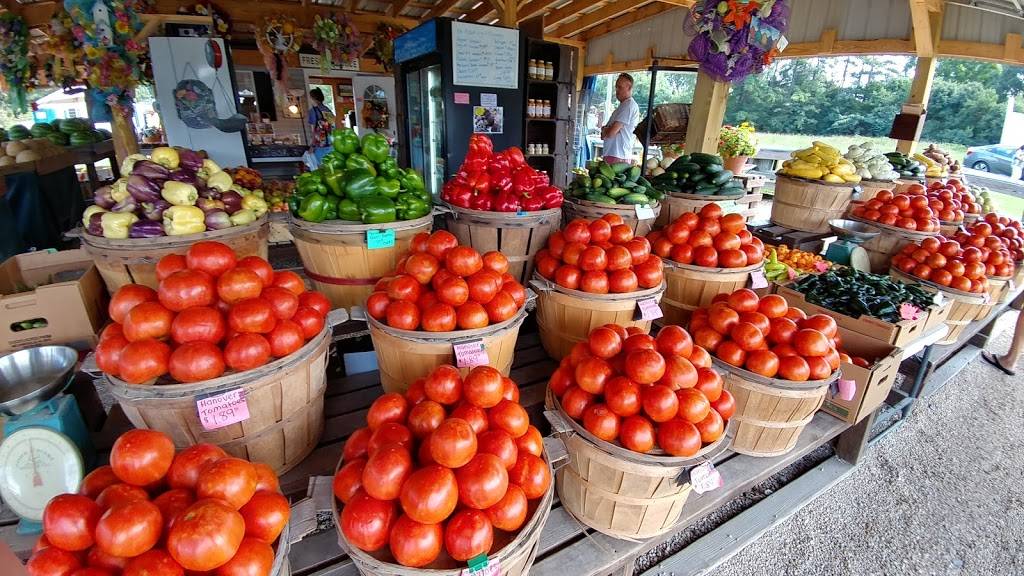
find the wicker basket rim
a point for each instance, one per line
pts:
(544, 284)
(437, 337)
(590, 204)
(775, 382)
(539, 214)
(708, 197)
(101, 243)
(342, 227)
(850, 185)
(969, 297)
(912, 234)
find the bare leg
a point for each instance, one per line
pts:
(1009, 360)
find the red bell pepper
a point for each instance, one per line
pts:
(501, 183)
(532, 202)
(506, 201)
(482, 201)
(552, 196)
(522, 180)
(458, 194)
(515, 156)
(500, 163)
(475, 163)
(541, 179)
(480, 145)
(480, 181)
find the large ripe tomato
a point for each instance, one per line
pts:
(623, 281)
(592, 374)
(601, 422)
(130, 529)
(414, 544)
(794, 368)
(422, 267)
(252, 557)
(674, 340)
(782, 330)
(568, 276)
(482, 481)
(463, 261)
(593, 258)
(725, 405)
(315, 300)
(97, 481)
(232, 480)
(141, 457)
(622, 396)
(763, 362)
(709, 382)
(693, 405)
(621, 233)
(265, 515)
(501, 308)
(390, 407)
(500, 444)
(679, 438)
(510, 417)
(594, 282)
(252, 316)
(516, 290)
(386, 470)
(453, 291)
(389, 433)
(483, 387)
(195, 362)
(659, 402)
(52, 561)
(206, 535)
(679, 373)
(438, 317)
(108, 353)
(283, 303)
(743, 300)
(444, 385)
(430, 494)
(575, 401)
(147, 320)
(404, 287)
(722, 318)
(238, 284)
(377, 305)
(311, 322)
(247, 351)
(644, 366)
(357, 444)
(509, 390)
(711, 428)
(289, 281)
(700, 358)
(170, 264)
(531, 442)
(637, 434)
(810, 342)
(440, 242)
(260, 266)
(285, 338)
(650, 274)
(604, 342)
(509, 513)
(143, 361)
(425, 417)
(822, 323)
(69, 521)
(532, 474)
(155, 562)
(127, 297)
(746, 336)
(118, 494)
(348, 479)
(403, 315)
(172, 503)
(198, 324)
(453, 443)
(578, 230)
(468, 534)
(214, 258)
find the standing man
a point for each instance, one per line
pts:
(618, 132)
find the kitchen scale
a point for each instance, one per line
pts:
(847, 250)
(46, 447)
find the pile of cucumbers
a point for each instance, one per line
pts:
(698, 173)
(905, 166)
(619, 183)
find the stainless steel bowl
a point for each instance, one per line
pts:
(34, 375)
(853, 230)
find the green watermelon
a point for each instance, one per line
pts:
(105, 134)
(41, 130)
(70, 125)
(58, 138)
(80, 138)
(97, 136)
(18, 132)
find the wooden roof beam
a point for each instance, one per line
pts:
(440, 9)
(598, 16)
(626, 19)
(532, 8)
(255, 12)
(482, 13)
(397, 6)
(919, 17)
(681, 3)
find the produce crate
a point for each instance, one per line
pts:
(899, 334)
(873, 384)
(813, 242)
(670, 124)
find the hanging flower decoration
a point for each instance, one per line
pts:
(276, 39)
(106, 29)
(336, 38)
(736, 38)
(15, 67)
(383, 47)
(65, 52)
(221, 20)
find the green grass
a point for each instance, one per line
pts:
(1012, 206)
(879, 143)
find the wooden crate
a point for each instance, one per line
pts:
(873, 383)
(813, 242)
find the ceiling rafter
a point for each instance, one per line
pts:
(626, 19)
(440, 9)
(559, 15)
(590, 19)
(397, 6)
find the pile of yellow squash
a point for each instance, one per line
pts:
(820, 162)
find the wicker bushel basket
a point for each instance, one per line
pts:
(808, 205)
(966, 306)
(573, 208)
(883, 247)
(999, 289)
(690, 287)
(404, 356)
(565, 317)
(770, 412)
(133, 261)
(281, 565)
(518, 237)
(870, 188)
(675, 205)
(619, 492)
(284, 398)
(339, 262)
(514, 553)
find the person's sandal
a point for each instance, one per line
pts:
(993, 360)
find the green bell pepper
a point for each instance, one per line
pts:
(309, 183)
(375, 147)
(360, 184)
(360, 162)
(387, 188)
(348, 210)
(345, 141)
(409, 206)
(411, 180)
(376, 210)
(294, 202)
(389, 169)
(313, 208)
(331, 210)
(334, 178)
(333, 160)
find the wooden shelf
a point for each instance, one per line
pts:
(537, 119)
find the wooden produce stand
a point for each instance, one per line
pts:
(90, 155)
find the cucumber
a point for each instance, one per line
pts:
(606, 170)
(599, 198)
(628, 184)
(634, 173)
(722, 178)
(644, 182)
(696, 178)
(706, 189)
(730, 190)
(656, 195)
(620, 167)
(712, 169)
(634, 199)
(705, 159)
(596, 182)
(640, 189)
(618, 192)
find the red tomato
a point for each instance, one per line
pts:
(147, 320)
(674, 340)
(97, 481)
(711, 428)
(822, 323)
(238, 284)
(532, 474)
(155, 562)
(637, 434)
(517, 291)
(438, 317)
(453, 443)
(659, 403)
(709, 382)
(444, 385)
(311, 322)
(366, 522)
(763, 362)
(501, 308)
(198, 324)
(476, 416)
(285, 338)
(650, 274)
(265, 515)
(231, 480)
(187, 288)
(594, 282)
(463, 261)
(531, 442)
(253, 315)
(593, 258)
(430, 494)
(725, 405)
(793, 368)
(483, 387)
(404, 287)
(468, 534)
(130, 529)
(782, 331)
(484, 285)
(623, 396)
(282, 302)
(108, 353)
(693, 405)
(247, 351)
(348, 479)
(53, 561)
(377, 305)
(195, 362)
(440, 242)
(577, 230)
(621, 233)
(184, 469)
(252, 557)
(169, 264)
(746, 336)
(141, 457)
(315, 300)
(679, 438)
(357, 444)
(453, 291)
(213, 258)
(289, 281)
(389, 433)
(568, 276)
(172, 503)
(482, 481)
(575, 401)
(509, 513)
(414, 544)
(700, 358)
(592, 374)
(500, 444)
(623, 281)
(118, 494)
(260, 266)
(810, 342)
(471, 315)
(69, 521)
(510, 417)
(403, 315)
(422, 267)
(496, 261)
(644, 366)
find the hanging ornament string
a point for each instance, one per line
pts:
(276, 40)
(15, 67)
(735, 38)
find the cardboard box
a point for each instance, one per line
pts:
(63, 289)
(873, 384)
(899, 334)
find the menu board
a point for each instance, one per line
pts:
(485, 56)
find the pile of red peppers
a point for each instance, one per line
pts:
(499, 181)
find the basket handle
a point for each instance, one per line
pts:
(541, 285)
(558, 455)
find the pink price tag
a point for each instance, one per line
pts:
(649, 309)
(758, 280)
(791, 274)
(909, 312)
(847, 389)
(491, 567)
(470, 353)
(705, 478)
(820, 266)
(222, 409)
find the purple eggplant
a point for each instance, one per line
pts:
(129, 204)
(208, 205)
(155, 210)
(151, 170)
(146, 229)
(143, 189)
(217, 220)
(95, 225)
(184, 175)
(232, 201)
(103, 198)
(190, 159)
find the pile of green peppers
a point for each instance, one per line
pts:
(359, 181)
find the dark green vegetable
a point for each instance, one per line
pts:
(854, 293)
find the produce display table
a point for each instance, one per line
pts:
(90, 155)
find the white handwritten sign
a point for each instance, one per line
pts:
(485, 56)
(222, 409)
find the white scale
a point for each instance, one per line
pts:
(37, 464)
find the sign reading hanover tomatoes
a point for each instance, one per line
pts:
(470, 353)
(648, 309)
(705, 478)
(222, 409)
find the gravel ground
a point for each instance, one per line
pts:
(942, 495)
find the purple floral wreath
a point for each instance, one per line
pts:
(735, 38)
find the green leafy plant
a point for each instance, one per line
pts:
(736, 141)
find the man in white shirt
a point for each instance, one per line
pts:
(618, 132)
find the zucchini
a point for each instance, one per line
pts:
(712, 169)
(644, 182)
(628, 184)
(705, 159)
(722, 178)
(689, 168)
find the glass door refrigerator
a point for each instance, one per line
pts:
(448, 76)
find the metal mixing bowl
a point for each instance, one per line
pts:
(853, 230)
(34, 375)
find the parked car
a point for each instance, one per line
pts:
(995, 158)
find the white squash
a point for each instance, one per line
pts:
(14, 148)
(27, 156)
(6, 161)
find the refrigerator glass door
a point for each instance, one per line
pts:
(426, 125)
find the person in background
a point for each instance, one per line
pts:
(1008, 362)
(322, 121)
(1017, 167)
(618, 132)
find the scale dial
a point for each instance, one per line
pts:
(37, 464)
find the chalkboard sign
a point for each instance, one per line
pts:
(416, 42)
(485, 56)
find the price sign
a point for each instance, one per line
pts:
(644, 212)
(909, 312)
(705, 478)
(648, 309)
(470, 353)
(821, 266)
(222, 409)
(380, 239)
(845, 390)
(939, 299)
(758, 280)
(482, 566)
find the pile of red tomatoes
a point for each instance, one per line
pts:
(441, 286)
(444, 473)
(600, 256)
(951, 201)
(644, 393)
(767, 337)
(210, 313)
(962, 264)
(996, 233)
(708, 239)
(912, 210)
(154, 512)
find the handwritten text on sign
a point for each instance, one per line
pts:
(482, 566)
(758, 280)
(705, 478)
(648, 309)
(222, 409)
(470, 353)
(380, 239)
(485, 56)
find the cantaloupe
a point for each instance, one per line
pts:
(27, 156)
(15, 147)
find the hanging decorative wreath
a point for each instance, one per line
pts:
(107, 29)
(64, 52)
(276, 39)
(383, 47)
(15, 67)
(336, 38)
(736, 38)
(221, 19)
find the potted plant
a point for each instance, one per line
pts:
(735, 145)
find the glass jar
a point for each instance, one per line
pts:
(549, 71)
(546, 111)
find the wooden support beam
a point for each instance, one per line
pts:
(921, 87)
(498, 5)
(590, 19)
(440, 9)
(828, 40)
(397, 6)
(563, 13)
(482, 13)
(35, 14)
(1012, 47)
(255, 12)
(509, 16)
(706, 114)
(626, 19)
(919, 17)
(681, 3)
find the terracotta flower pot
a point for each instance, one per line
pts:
(737, 164)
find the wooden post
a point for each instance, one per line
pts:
(706, 114)
(921, 88)
(122, 127)
(510, 16)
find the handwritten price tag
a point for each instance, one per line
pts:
(846, 390)
(644, 212)
(380, 239)
(939, 299)
(648, 309)
(820, 266)
(758, 280)
(470, 353)
(909, 312)
(482, 566)
(222, 409)
(705, 478)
